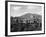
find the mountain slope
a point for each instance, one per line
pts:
(30, 16)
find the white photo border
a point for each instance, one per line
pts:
(25, 32)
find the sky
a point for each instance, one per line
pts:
(18, 10)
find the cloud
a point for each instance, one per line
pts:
(35, 9)
(16, 8)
